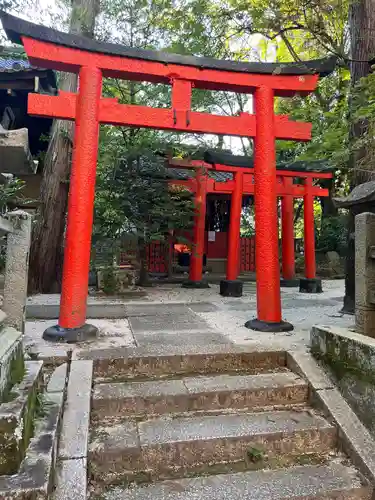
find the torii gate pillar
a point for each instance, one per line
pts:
(266, 219)
(72, 326)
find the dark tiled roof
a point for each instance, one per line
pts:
(10, 65)
(183, 174)
(15, 28)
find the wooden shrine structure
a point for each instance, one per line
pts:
(292, 181)
(92, 61)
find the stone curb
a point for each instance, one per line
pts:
(354, 438)
(71, 478)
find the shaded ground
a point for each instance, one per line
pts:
(172, 315)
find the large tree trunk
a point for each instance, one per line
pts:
(46, 254)
(362, 31)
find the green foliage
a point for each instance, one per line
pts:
(255, 454)
(332, 235)
(135, 198)
(10, 194)
(109, 281)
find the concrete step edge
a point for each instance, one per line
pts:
(121, 399)
(294, 483)
(163, 446)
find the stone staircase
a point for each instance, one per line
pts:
(222, 424)
(29, 421)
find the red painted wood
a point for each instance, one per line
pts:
(295, 190)
(48, 55)
(309, 231)
(111, 112)
(287, 232)
(234, 228)
(81, 201)
(156, 253)
(191, 164)
(247, 254)
(218, 249)
(266, 237)
(198, 246)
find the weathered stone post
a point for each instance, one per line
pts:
(16, 269)
(365, 273)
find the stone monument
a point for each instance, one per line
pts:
(361, 246)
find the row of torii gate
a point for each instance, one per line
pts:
(92, 61)
(291, 182)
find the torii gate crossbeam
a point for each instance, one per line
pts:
(93, 61)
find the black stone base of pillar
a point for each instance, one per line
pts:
(310, 285)
(195, 284)
(231, 288)
(265, 326)
(293, 283)
(81, 334)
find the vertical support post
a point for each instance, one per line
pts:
(365, 274)
(196, 258)
(287, 236)
(309, 284)
(266, 237)
(74, 292)
(16, 269)
(231, 287)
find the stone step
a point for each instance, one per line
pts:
(216, 392)
(171, 361)
(328, 482)
(168, 446)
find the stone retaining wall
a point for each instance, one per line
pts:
(350, 359)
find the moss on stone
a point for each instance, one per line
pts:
(338, 357)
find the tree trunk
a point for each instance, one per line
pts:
(362, 30)
(46, 254)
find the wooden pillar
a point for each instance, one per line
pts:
(287, 233)
(80, 212)
(197, 251)
(266, 236)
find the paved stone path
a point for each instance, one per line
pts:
(172, 315)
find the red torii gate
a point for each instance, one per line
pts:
(92, 61)
(243, 183)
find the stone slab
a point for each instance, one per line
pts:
(94, 311)
(305, 366)
(197, 393)
(109, 438)
(296, 483)
(139, 389)
(155, 309)
(115, 449)
(242, 382)
(156, 361)
(71, 480)
(58, 379)
(203, 307)
(197, 338)
(359, 350)
(175, 322)
(76, 421)
(354, 437)
(155, 432)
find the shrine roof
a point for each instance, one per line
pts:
(318, 166)
(183, 174)
(15, 28)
